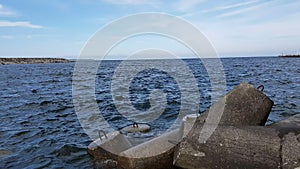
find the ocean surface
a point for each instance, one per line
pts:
(39, 127)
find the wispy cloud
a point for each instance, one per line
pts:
(231, 6)
(105, 20)
(225, 7)
(19, 24)
(186, 6)
(131, 2)
(6, 12)
(6, 37)
(264, 28)
(246, 8)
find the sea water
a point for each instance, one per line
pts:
(39, 127)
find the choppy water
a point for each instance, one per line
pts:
(39, 127)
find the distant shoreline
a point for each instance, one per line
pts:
(289, 56)
(6, 61)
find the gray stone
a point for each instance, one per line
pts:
(186, 125)
(156, 153)
(295, 120)
(140, 128)
(249, 147)
(243, 106)
(289, 132)
(291, 151)
(108, 148)
(274, 146)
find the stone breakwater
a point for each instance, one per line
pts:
(5, 61)
(239, 139)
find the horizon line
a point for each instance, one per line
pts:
(75, 57)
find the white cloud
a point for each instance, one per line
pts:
(6, 12)
(19, 24)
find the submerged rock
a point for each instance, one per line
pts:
(4, 152)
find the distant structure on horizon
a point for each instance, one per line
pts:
(290, 55)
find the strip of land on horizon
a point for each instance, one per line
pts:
(5, 61)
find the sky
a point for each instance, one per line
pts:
(61, 28)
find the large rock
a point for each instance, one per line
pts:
(143, 128)
(156, 153)
(290, 154)
(289, 132)
(106, 149)
(118, 151)
(253, 147)
(248, 147)
(244, 106)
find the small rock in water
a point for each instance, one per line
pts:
(137, 128)
(4, 152)
(67, 149)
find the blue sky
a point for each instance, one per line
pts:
(55, 28)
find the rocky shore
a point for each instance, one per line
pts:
(5, 61)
